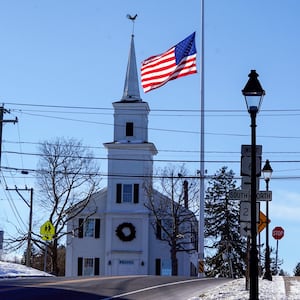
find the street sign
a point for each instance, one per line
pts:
(245, 195)
(264, 196)
(47, 231)
(278, 233)
(238, 195)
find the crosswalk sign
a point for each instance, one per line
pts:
(47, 231)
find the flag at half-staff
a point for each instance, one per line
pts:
(176, 62)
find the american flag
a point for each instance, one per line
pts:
(176, 62)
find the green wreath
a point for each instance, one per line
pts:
(123, 236)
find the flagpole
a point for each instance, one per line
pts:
(202, 169)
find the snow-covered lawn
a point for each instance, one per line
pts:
(8, 270)
(268, 290)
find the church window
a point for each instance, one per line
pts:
(89, 228)
(129, 129)
(127, 193)
(88, 266)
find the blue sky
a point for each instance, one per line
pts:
(73, 53)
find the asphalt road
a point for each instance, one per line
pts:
(119, 287)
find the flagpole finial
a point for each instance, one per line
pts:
(132, 18)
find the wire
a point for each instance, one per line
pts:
(12, 204)
(293, 110)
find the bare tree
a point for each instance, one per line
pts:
(67, 177)
(173, 206)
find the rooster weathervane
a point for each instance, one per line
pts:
(132, 18)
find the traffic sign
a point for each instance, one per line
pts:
(246, 150)
(245, 229)
(262, 222)
(47, 231)
(245, 211)
(246, 166)
(245, 195)
(278, 233)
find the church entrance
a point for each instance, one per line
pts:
(125, 266)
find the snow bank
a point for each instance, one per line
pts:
(8, 270)
(268, 290)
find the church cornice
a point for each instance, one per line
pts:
(130, 145)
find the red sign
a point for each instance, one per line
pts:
(278, 233)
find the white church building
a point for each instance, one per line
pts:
(114, 235)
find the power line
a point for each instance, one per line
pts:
(163, 130)
(123, 175)
(12, 205)
(160, 150)
(292, 110)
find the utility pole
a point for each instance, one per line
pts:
(30, 204)
(2, 111)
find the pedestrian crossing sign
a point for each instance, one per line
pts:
(47, 231)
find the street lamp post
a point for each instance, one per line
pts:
(253, 94)
(267, 173)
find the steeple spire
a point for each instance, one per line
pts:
(131, 86)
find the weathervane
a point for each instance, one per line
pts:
(132, 18)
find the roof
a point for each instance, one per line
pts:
(131, 86)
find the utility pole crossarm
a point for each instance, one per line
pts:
(18, 191)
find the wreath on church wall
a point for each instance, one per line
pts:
(126, 232)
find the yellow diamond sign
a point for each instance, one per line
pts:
(47, 231)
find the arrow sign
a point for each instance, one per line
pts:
(245, 229)
(262, 222)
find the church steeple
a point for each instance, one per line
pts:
(131, 87)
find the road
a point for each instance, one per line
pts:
(118, 287)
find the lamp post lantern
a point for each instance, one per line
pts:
(253, 93)
(267, 173)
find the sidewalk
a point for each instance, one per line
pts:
(292, 286)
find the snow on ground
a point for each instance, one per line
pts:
(268, 290)
(8, 270)
(295, 289)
